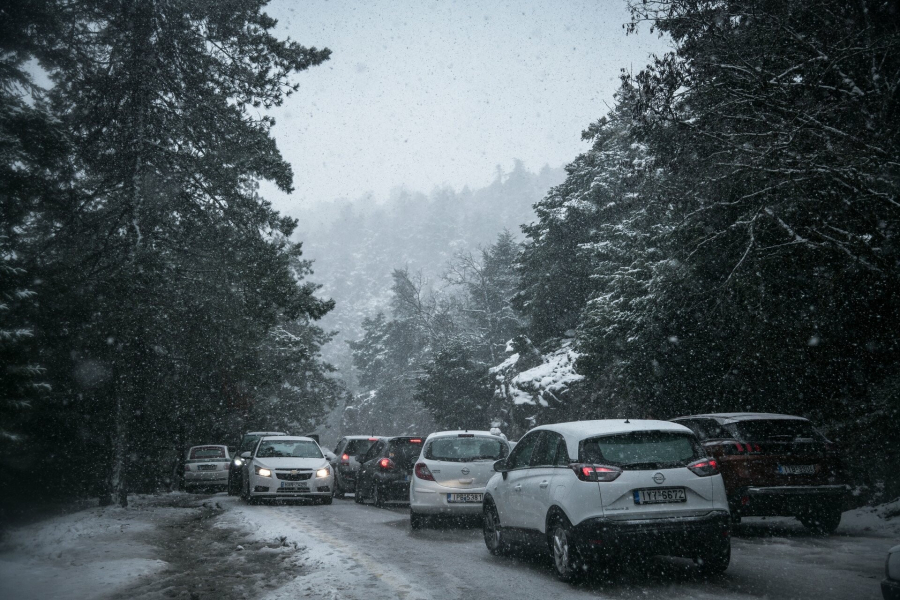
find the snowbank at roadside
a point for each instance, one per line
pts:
(76, 555)
(883, 519)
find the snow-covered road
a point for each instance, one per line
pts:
(216, 547)
(365, 552)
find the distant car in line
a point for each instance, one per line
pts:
(385, 470)
(235, 470)
(890, 585)
(287, 467)
(346, 461)
(206, 467)
(451, 473)
(594, 490)
(775, 465)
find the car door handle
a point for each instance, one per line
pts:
(544, 484)
(518, 488)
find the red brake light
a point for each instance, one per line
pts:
(596, 472)
(373, 439)
(423, 472)
(415, 441)
(704, 467)
(386, 463)
(345, 459)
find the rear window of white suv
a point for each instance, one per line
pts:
(465, 449)
(642, 450)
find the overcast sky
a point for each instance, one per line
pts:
(426, 93)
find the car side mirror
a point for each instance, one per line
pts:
(500, 466)
(245, 455)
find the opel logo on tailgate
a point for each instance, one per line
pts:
(659, 478)
(465, 470)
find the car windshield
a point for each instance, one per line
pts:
(249, 442)
(774, 430)
(358, 447)
(465, 449)
(207, 452)
(288, 448)
(641, 450)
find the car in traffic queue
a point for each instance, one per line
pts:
(596, 490)
(206, 467)
(287, 467)
(235, 469)
(386, 469)
(890, 585)
(451, 473)
(775, 465)
(347, 453)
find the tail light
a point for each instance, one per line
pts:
(704, 467)
(386, 464)
(345, 459)
(596, 472)
(741, 448)
(423, 472)
(415, 441)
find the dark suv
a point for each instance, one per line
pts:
(347, 453)
(385, 470)
(235, 471)
(774, 465)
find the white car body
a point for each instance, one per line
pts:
(287, 476)
(530, 498)
(456, 482)
(206, 466)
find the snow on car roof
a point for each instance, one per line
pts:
(586, 429)
(288, 438)
(465, 432)
(265, 433)
(363, 437)
(748, 416)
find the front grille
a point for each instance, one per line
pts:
(288, 476)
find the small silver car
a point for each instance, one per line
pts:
(452, 471)
(206, 467)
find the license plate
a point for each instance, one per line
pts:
(293, 485)
(206, 467)
(464, 498)
(797, 469)
(662, 496)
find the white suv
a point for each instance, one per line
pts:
(451, 473)
(596, 489)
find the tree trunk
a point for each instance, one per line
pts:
(118, 483)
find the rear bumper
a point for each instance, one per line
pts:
(394, 488)
(673, 536)
(890, 589)
(347, 478)
(432, 499)
(787, 500)
(206, 478)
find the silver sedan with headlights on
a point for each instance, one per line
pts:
(287, 467)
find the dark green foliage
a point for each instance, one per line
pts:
(173, 309)
(457, 390)
(730, 240)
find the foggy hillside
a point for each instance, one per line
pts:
(356, 244)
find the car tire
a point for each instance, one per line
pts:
(714, 561)
(377, 496)
(566, 558)
(357, 495)
(822, 522)
(494, 538)
(416, 520)
(234, 486)
(326, 500)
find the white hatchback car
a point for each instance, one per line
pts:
(287, 467)
(591, 490)
(450, 476)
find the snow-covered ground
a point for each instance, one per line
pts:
(173, 546)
